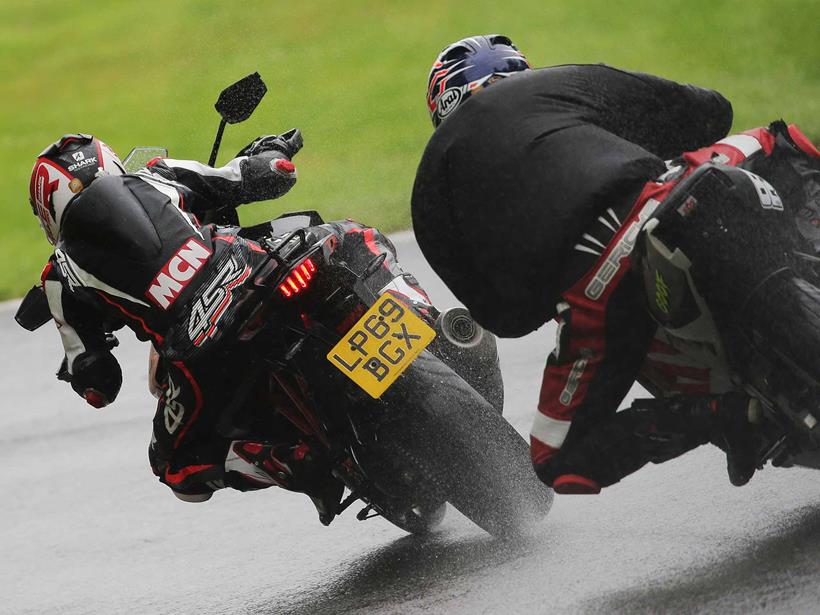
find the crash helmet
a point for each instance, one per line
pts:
(63, 170)
(467, 66)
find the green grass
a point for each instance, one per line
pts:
(352, 76)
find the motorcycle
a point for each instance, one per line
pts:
(404, 402)
(733, 286)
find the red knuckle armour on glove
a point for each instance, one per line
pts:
(284, 166)
(95, 398)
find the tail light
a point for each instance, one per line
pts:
(298, 279)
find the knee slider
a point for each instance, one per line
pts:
(193, 498)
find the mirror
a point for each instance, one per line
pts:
(237, 101)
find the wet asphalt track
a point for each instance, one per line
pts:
(85, 528)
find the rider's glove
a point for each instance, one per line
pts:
(288, 143)
(268, 175)
(96, 377)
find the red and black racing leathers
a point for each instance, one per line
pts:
(607, 339)
(528, 202)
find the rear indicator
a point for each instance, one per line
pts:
(298, 279)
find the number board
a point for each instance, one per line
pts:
(381, 345)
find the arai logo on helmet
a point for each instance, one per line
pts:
(448, 101)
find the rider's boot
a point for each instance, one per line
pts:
(657, 430)
(738, 432)
(255, 465)
(731, 421)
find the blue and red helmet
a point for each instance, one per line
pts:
(467, 66)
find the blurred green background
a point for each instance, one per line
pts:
(352, 76)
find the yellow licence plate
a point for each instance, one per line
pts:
(381, 345)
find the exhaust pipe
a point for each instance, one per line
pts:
(471, 352)
(458, 327)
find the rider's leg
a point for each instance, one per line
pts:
(296, 467)
(189, 456)
(657, 431)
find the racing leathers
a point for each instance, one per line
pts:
(511, 180)
(132, 252)
(528, 201)
(607, 338)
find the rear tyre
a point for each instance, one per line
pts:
(482, 463)
(780, 322)
(418, 520)
(409, 492)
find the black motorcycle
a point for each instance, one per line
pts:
(729, 279)
(403, 424)
(403, 402)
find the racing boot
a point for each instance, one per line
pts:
(738, 432)
(731, 421)
(657, 430)
(256, 465)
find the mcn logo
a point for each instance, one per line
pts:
(176, 274)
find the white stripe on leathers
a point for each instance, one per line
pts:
(551, 432)
(746, 144)
(72, 343)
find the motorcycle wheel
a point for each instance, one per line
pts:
(785, 313)
(417, 520)
(409, 493)
(481, 463)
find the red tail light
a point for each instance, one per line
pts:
(298, 279)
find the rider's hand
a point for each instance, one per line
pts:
(268, 175)
(96, 377)
(288, 143)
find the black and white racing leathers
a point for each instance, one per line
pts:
(132, 252)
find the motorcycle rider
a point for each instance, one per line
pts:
(570, 160)
(130, 251)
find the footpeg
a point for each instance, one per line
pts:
(364, 513)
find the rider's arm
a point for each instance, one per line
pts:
(89, 366)
(601, 345)
(662, 116)
(245, 179)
